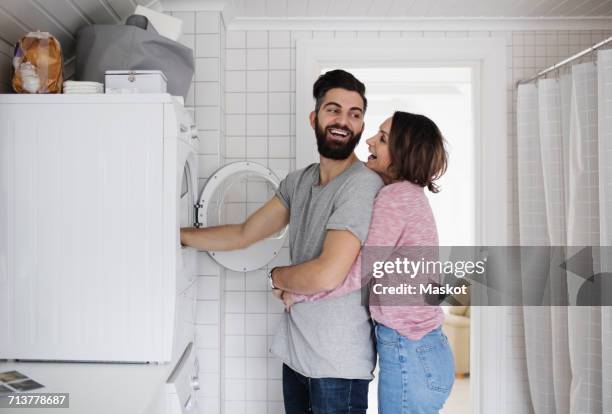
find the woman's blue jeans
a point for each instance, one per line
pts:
(415, 377)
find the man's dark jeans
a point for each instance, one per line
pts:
(323, 395)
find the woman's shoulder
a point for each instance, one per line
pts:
(399, 199)
(402, 190)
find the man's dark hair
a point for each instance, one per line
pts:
(337, 79)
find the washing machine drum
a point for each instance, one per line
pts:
(231, 194)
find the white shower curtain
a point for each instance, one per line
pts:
(604, 80)
(564, 129)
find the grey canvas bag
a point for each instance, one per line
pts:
(114, 47)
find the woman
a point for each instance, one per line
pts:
(416, 363)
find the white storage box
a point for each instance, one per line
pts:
(136, 81)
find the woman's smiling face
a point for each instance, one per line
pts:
(380, 157)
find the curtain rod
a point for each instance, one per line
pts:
(566, 61)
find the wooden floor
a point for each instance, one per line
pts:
(459, 401)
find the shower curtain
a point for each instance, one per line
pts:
(564, 129)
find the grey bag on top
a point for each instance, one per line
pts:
(114, 47)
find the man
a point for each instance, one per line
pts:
(326, 346)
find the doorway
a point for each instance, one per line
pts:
(445, 95)
(454, 70)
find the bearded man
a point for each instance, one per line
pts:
(326, 346)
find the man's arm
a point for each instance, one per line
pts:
(326, 272)
(266, 221)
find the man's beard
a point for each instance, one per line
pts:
(332, 149)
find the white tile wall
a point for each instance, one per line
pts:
(244, 94)
(205, 33)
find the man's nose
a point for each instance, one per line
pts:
(342, 119)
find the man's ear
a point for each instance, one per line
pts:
(312, 119)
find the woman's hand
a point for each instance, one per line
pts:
(286, 297)
(288, 300)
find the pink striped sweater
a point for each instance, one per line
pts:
(401, 217)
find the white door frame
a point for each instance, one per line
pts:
(487, 58)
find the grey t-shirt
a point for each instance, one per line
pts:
(331, 337)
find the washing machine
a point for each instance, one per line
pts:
(93, 192)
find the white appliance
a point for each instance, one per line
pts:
(116, 388)
(93, 191)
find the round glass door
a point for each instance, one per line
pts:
(233, 193)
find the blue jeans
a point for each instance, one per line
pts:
(323, 395)
(415, 377)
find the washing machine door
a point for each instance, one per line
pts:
(187, 195)
(231, 194)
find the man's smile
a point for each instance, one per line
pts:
(339, 134)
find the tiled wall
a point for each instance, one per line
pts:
(259, 127)
(236, 314)
(6, 51)
(260, 98)
(244, 98)
(260, 72)
(205, 32)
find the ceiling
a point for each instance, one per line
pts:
(64, 17)
(420, 8)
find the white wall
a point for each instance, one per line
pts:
(260, 56)
(204, 32)
(236, 315)
(244, 94)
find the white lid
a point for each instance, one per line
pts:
(136, 72)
